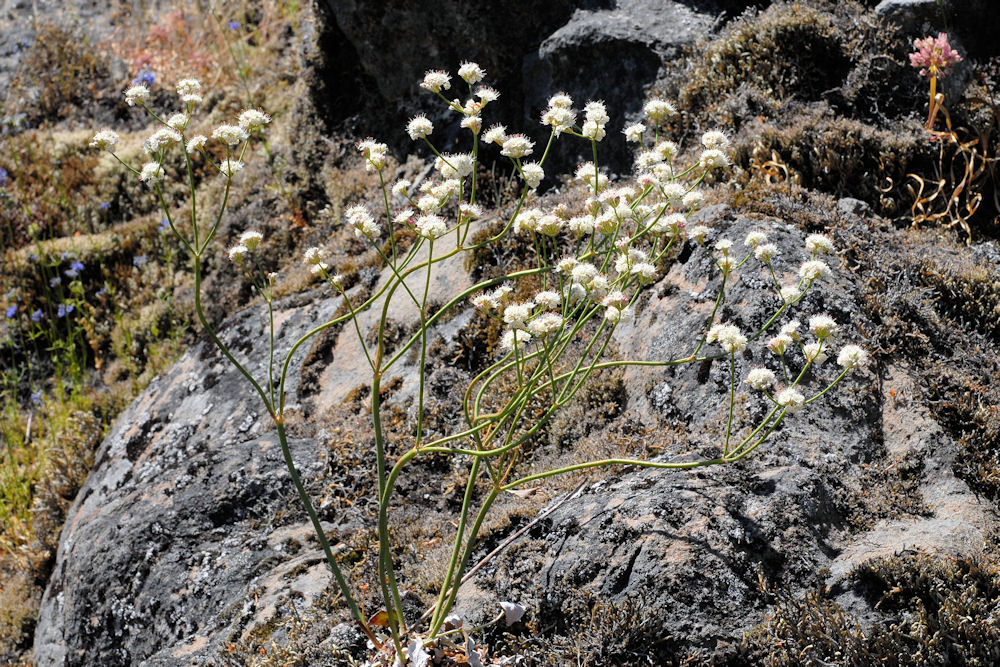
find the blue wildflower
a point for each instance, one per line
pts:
(11, 311)
(104, 205)
(77, 266)
(146, 77)
(138, 261)
(65, 309)
(102, 291)
(55, 282)
(36, 398)
(4, 177)
(37, 316)
(32, 257)
(164, 225)
(234, 25)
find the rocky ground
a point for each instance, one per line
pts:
(863, 532)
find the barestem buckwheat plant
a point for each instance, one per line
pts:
(589, 266)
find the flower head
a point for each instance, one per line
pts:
(822, 326)
(533, 174)
(790, 399)
(251, 239)
(188, 87)
(514, 337)
(178, 121)
(229, 134)
(471, 72)
(238, 253)
(104, 140)
(715, 140)
(559, 118)
(713, 158)
(472, 123)
(852, 356)
(196, 143)
(253, 119)
(698, 232)
(436, 80)
(659, 110)
(161, 139)
(517, 314)
(693, 200)
(817, 244)
(151, 174)
(495, 135)
(517, 146)
(137, 94)
(790, 293)
(760, 379)
(544, 324)
(229, 167)
(548, 299)
(813, 269)
(755, 239)
(765, 252)
(419, 127)
(486, 95)
(374, 153)
(313, 256)
(728, 336)
(934, 55)
(779, 343)
(634, 132)
(361, 220)
(560, 101)
(431, 226)
(455, 165)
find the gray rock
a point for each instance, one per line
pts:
(852, 206)
(187, 534)
(910, 14)
(612, 54)
(173, 546)
(692, 546)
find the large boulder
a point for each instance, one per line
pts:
(187, 538)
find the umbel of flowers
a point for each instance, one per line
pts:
(593, 254)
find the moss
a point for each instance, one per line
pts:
(927, 611)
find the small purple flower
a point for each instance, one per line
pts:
(234, 25)
(104, 205)
(138, 261)
(37, 316)
(4, 177)
(102, 291)
(76, 266)
(164, 225)
(36, 398)
(55, 282)
(32, 257)
(145, 77)
(11, 311)
(65, 309)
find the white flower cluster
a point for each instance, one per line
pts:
(728, 336)
(361, 220)
(374, 153)
(559, 115)
(596, 118)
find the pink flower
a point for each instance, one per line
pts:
(934, 55)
